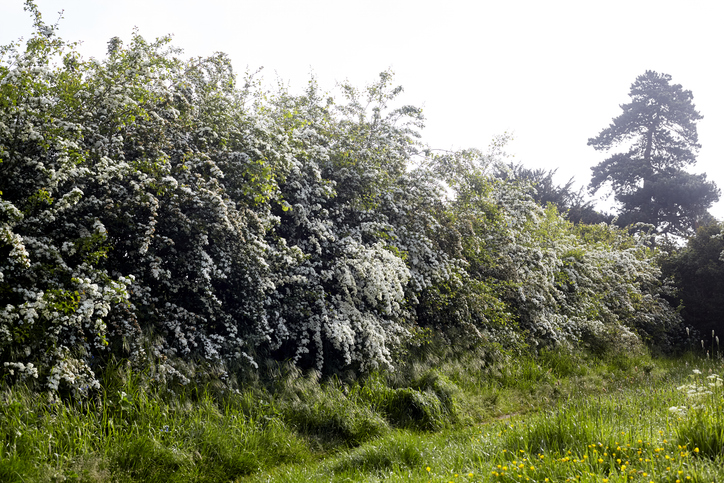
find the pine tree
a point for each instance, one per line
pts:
(649, 180)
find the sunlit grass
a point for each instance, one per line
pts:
(556, 418)
(134, 432)
(625, 433)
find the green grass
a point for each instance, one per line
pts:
(561, 416)
(625, 433)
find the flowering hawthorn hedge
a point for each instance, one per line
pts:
(160, 210)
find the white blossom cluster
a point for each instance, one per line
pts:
(344, 301)
(701, 393)
(566, 284)
(152, 211)
(118, 235)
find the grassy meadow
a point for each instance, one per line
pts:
(180, 243)
(554, 418)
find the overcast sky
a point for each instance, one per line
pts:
(553, 73)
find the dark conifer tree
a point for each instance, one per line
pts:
(659, 128)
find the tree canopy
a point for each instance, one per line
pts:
(658, 127)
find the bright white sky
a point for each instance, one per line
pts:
(553, 73)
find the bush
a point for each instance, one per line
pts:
(159, 211)
(697, 271)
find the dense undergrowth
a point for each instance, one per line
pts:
(560, 415)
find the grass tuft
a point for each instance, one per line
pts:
(396, 452)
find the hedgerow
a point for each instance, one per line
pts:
(164, 211)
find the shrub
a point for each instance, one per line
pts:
(697, 271)
(153, 210)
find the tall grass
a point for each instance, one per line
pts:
(623, 433)
(701, 414)
(558, 413)
(135, 433)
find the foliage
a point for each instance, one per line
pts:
(124, 239)
(697, 271)
(564, 283)
(164, 212)
(359, 221)
(658, 127)
(572, 203)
